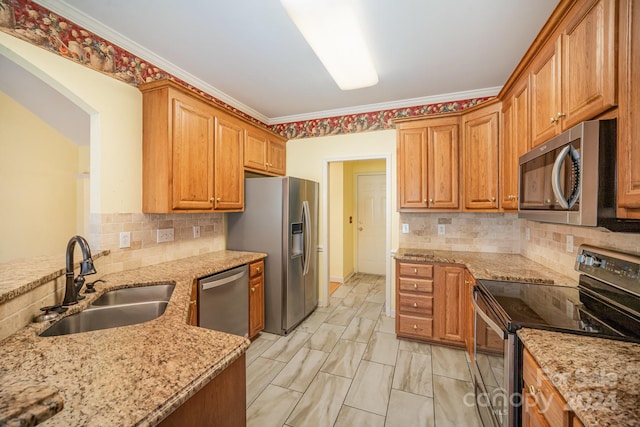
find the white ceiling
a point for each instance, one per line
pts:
(249, 54)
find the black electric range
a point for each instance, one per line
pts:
(606, 302)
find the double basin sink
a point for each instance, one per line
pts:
(120, 307)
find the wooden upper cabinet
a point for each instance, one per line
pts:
(428, 164)
(573, 78)
(192, 153)
(628, 123)
(229, 174)
(545, 94)
(514, 142)
(264, 153)
(412, 168)
(589, 62)
(480, 157)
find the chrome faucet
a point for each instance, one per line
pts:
(73, 286)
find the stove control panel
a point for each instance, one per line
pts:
(616, 268)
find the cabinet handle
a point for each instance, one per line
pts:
(532, 390)
(415, 305)
(415, 286)
(415, 327)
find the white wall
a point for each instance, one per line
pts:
(306, 159)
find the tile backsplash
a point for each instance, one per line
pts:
(475, 232)
(547, 243)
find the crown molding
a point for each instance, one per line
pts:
(403, 103)
(80, 18)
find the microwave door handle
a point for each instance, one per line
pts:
(555, 177)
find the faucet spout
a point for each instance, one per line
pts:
(73, 285)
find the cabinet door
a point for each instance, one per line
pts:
(628, 123)
(480, 154)
(449, 308)
(229, 174)
(412, 168)
(277, 156)
(192, 153)
(256, 305)
(469, 313)
(442, 164)
(545, 94)
(514, 142)
(255, 150)
(588, 62)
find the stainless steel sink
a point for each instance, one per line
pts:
(122, 307)
(135, 295)
(95, 318)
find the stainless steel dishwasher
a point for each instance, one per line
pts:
(223, 301)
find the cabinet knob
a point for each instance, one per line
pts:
(493, 199)
(218, 199)
(532, 389)
(561, 115)
(553, 120)
(415, 305)
(415, 286)
(430, 200)
(415, 271)
(212, 200)
(253, 289)
(258, 269)
(415, 327)
(193, 302)
(466, 282)
(424, 201)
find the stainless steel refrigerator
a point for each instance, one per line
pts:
(280, 218)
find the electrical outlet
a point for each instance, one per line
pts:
(569, 243)
(441, 230)
(125, 239)
(527, 233)
(405, 228)
(164, 235)
(196, 231)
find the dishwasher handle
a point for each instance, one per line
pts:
(221, 282)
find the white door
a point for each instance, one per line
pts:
(370, 240)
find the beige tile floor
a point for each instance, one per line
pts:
(344, 366)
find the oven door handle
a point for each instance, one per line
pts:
(493, 325)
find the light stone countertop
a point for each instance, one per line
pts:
(599, 378)
(133, 375)
(490, 266)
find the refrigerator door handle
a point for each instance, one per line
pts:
(307, 237)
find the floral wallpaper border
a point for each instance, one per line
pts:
(35, 24)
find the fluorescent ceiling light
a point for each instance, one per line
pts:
(331, 29)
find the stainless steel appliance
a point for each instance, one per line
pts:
(223, 301)
(571, 179)
(606, 304)
(280, 218)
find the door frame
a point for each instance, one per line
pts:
(355, 196)
(389, 168)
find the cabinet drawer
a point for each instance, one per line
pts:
(256, 268)
(413, 270)
(416, 304)
(417, 326)
(416, 285)
(556, 411)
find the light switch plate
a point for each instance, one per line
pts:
(125, 239)
(441, 230)
(196, 231)
(405, 228)
(569, 243)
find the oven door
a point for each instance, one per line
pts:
(497, 398)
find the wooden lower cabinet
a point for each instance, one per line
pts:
(542, 404)
(429, 299)
(256, 298)
(221, 403)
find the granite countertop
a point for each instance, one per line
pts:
(490, 266)
(599, 378)
(133, 375)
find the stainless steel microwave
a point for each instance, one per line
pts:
(571, 179)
